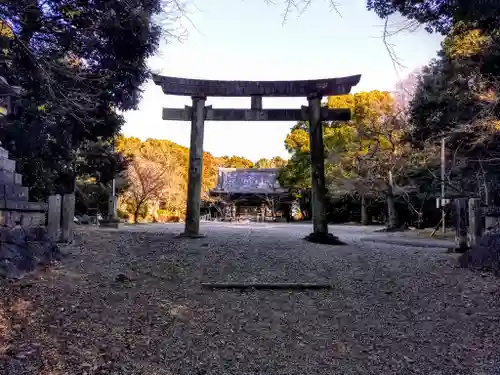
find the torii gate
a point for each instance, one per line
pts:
(314, 90)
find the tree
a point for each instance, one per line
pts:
(366, 152)
(234, 162)
(456, 99)
(77, 62)
(455, 96)
(147, 181)
(440, 16)
(405, 90)
(275, 162)
(170, 200)
(444, 100)
(296, 174)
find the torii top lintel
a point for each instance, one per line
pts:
(204, 87)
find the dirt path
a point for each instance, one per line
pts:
(131, 303)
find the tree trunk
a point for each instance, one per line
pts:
(420, 220)
(487, 198)
(365, 219)
(305, 204)
(136, 213)
(154, 211)
(288, 213)
(392, 220)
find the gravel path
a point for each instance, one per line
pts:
(393, 309)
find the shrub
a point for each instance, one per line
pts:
(166, 218)
(123, 214)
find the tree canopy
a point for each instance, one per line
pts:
(440, 16)
(77, 63)
(234, 162)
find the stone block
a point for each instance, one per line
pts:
(7, 178)
(475, 227)
(25, 206)
(23, 250)
(7, 165)
(14, 192)
(485, 255)
(112, 207)
(68, 214)
(11, 218)
(4, 153)
(34, 219)
(54, 216)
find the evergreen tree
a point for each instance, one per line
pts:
(77, 63)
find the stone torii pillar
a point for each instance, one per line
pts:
(318, 186)
(320, 224)
(192, 227)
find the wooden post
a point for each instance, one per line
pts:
(192, 228)
(392, 219)
(364, 211)
(256, 103)
(461, 224)
(54, 217)
(112, 207)
(443, 187)
(68, 214)
(318, 201)
(224, 212)
(475, 222)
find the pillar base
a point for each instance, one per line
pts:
(459, 250)
(324, 238)
(190, 235)
(115, 224)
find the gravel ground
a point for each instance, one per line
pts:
(393, 309)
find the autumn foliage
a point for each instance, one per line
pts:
(157, 177)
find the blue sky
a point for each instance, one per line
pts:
(236, 39)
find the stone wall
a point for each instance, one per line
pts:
(24, 241)
(15, 207)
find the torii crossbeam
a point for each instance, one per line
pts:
(314, 90)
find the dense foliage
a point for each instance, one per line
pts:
(457, 98)
(364, 158)
(440, 16)
(77, 63)
(393, 155)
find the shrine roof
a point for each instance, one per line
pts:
(248, 181)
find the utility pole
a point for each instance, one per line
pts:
(443, 173)
(113, 201)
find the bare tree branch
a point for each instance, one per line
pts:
(300, 6)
